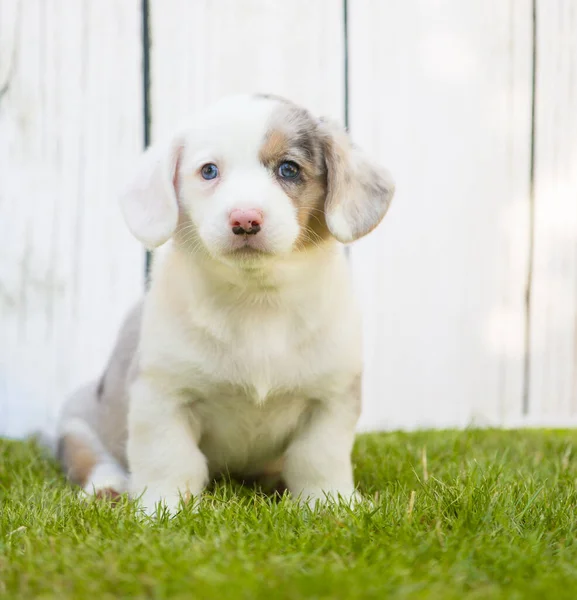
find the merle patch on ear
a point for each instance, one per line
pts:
(358, 191)
(149, 201)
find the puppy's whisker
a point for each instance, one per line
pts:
(311, 240)
(193, 244)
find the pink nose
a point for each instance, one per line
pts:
(245, 221)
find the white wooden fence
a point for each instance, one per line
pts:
(469, 288)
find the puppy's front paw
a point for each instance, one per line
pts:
(153, 500)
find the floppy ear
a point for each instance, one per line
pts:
(358, 191)
(149, 201)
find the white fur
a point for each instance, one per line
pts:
(244, 360)
(255, 355)
(107, 475)
(149, 203)
(339, 226)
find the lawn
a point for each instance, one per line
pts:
(474, 514)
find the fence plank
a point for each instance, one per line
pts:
(441, 93)
(70, 120)
(553, 383)
(204, 50)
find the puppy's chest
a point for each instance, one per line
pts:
(256, 355)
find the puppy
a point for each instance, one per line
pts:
(245, 356)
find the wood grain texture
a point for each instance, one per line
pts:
(441, 94)
(553, 358)
(70, 120)
(204, 50)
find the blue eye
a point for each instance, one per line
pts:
(209, 171)
(289, 170)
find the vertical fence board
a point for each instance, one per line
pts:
(204, 50)
(441, 94)
(553, 383)
(70, 120)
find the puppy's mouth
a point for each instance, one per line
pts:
(248, 245)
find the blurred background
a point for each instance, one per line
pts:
(469, 287)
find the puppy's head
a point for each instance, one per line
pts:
(255, 177)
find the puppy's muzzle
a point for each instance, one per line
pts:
(246, 221)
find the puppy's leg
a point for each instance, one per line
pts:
(165, 461)
(318, 461)
(86, 462)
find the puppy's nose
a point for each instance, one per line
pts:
(245, 221)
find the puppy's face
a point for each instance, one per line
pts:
(252, 178)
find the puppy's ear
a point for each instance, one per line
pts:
(358, 191)
(149, 201)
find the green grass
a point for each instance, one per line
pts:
(492, 515)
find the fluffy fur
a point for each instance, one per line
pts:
(245, 356)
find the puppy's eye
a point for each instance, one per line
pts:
(289, 170)
(209, 171)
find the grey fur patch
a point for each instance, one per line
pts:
(100, 388)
